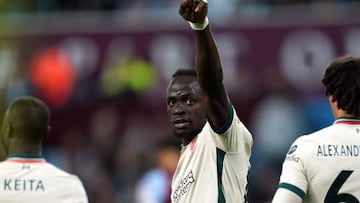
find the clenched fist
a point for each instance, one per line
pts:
(194, 11)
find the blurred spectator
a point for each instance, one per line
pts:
(53, 75)
(135, 152)
(276, 124)
(227, 7)
(276, 120)
(263, 182)
(155, 184)
(112, 147)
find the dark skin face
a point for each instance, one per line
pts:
(185, 107)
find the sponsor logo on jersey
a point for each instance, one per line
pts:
(292, 149)
(183, 187)
(292, 158)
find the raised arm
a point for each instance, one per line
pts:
(207, 62)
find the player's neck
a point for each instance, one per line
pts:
(21, 149)
(342, 114)
(186, 141)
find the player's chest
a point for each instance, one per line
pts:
(196, 167)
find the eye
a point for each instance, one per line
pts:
(189, 101)
(171, 102)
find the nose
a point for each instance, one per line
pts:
(178, 109)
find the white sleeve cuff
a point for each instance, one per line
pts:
(200, 26)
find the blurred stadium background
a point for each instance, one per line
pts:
(103, 67)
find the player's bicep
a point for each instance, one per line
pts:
(218, 107)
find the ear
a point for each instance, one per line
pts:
(2, 151)
(5, 139)
(7, 130)
(48, 130)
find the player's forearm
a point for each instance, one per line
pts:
(210, 75)
(207, 61)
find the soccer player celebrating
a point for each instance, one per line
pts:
(324, 166)
(25, 176)
(214, 161)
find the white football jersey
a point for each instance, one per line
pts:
(213, 168)
(324, 166)
(29, 180)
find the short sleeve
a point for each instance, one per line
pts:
(235, 137)
(293, 176)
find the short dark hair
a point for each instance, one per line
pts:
(30, 116)
(185, 72)
(342, 82)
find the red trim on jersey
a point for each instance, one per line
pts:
(192, 143)
(26, 161)
(348, 122)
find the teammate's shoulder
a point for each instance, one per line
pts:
(319, 133)
(313, 137)
(304, 139)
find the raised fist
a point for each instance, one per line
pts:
(194, 11)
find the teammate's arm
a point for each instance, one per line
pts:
(207, 63)
(283, 195)
(293, 182)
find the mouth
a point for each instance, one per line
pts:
(181, 123)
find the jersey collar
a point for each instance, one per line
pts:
(347, 120)
(191, 144)
(22, 158)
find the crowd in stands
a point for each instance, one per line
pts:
(121, 5)
(111, 143)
